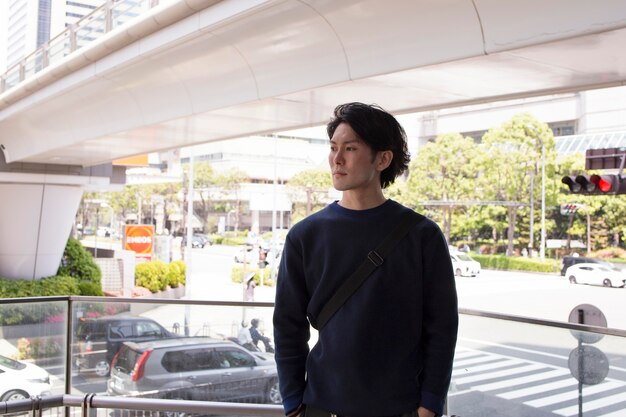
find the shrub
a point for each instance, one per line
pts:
(56, 285)
(502, 262)
(610, 253)
(176, 273)
(77, 262)
(237, 275)
(157, 276)
(90, 288)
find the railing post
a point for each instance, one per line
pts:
(68, 353)
(72, 35)
(45, 55)
(22, 70)
(108, 16)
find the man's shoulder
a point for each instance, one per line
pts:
(422, 222)
(312, 221)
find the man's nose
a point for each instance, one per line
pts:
(338, 157)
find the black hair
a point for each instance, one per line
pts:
(380, 130)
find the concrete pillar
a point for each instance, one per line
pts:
(36, 216)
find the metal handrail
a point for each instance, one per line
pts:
(93, 401)
(464, 311)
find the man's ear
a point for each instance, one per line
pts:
(384, 160)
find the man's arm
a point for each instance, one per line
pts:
(440, 322)
(291, 328)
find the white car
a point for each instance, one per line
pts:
(595, 274)
(21, 380)
(463, 265)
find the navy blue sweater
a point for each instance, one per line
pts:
(390, 347)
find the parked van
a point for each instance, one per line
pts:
(99, 339)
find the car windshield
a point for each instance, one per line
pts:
(464, 257)
(10, 363)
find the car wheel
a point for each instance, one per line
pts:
(14, 395)
(457, 273)
(572, 279)
(607, 282)
(273, 392)
(102, 368)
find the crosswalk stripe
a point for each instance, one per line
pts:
(526, 379)
(595, 404)
(459, 354)
(487, 366)
(471, 361)
(573, 394)
(498, 374)
(618, 413)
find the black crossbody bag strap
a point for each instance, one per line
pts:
(374, 259)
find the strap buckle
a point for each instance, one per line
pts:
(375, 258)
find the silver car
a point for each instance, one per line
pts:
(194, 369)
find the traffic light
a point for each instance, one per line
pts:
(595, 184)
(567, 209)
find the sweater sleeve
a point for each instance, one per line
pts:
(440, 323)
(291, 327)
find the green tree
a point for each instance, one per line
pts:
(444, 171)
(309, 191)
(229, 183)
(511, 156)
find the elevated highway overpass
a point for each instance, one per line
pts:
(195, 71)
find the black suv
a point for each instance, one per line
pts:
(99, 339)
(194, 368)
(573, 260)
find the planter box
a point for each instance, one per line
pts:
(171, 293)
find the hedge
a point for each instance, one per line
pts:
(516, 263)
(77, 275)
(237, 275)
(157, 275)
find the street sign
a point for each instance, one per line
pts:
(140, 239)
(609, 158)
(590, 315)
(570, 208)
(588, 364)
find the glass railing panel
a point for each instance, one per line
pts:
(12, 77)
(510, 369)
(59, 47)
(124, 11)
(91, 28)
(33, 349)
(173, 350)
(34, 63)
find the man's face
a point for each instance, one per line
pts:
(353, 164)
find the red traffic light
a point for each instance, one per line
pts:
(605, 183)
(595, 184)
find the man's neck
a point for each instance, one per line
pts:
(359, 201)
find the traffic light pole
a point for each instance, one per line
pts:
(542, 250)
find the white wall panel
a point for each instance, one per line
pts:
(58, 210)
(36, 221)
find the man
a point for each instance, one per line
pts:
(258, 337)
(388, 350)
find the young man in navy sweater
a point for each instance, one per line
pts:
(388, 351)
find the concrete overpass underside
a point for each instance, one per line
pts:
(198, 71)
